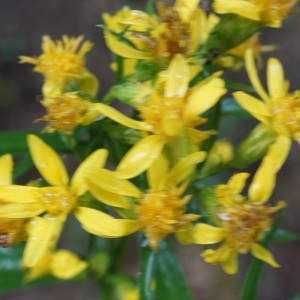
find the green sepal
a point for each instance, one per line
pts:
(99, 263)
(254, 146)
(231, 31)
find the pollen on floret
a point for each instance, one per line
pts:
(162, 213)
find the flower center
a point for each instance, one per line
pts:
(58, 200)
(245, 224)
(160, 214)
(286, 113)
(12, 231)
(65, 112)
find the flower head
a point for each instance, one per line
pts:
(241, 221)
(160, 210)
(279, 110)
(66, 112)
(61, 62)
(270, 12)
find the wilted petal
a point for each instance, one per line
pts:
(255, 107)
(20, 210)
(96, 159)
(65, 264)
(47, 162)
(6, 167)
(140, 157)
(101, 224)
(178, 77)
(275, 78)
(263, 254)
(204, 97)
(207, 234)
(43, 234)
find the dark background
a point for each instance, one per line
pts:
(22, 24)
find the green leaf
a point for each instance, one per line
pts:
(149, 8)
(23, 166)
(161, 276)
(146, 271)
(250, 286)
(231, 31)
(282, 235)
(15, 142)
(239, 86)
(169, 279)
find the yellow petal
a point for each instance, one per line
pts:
(279, 151)
(185, 167)
(171, 123)
(255, 107)
(43, 235)
(239, 7)
(207, 234)
(6, 167)
(20, 210)
(263, 183)
(47, 162)
(101, 224)
(185, 8)
(110, 181)
(237, 182)
(123, 49)
(230, 264)
(140, 157)
(178, 77)
(18, 194)
(118, 117)
(105, 196)
(157, 172)
(96, 159)
(253, 76)
(275, 78)
(204, 97)
(66, 265)
(263, 254)
(186, 234)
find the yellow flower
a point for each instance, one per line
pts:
(177, 29)
(169, 112)
(160, 210)
(55, 202)
(62, 264)
(12, 231)
(66, 112)
(280, 110)
(270, 12)
(62, 62)
(242, 221)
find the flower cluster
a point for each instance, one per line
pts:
(144, 172)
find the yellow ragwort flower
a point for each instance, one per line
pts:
(169, 111)
(55, 202)
(61, 62)
(12, 231)
(270, 12)
(177, 29)
(67, 111)
(242, 221)
(279, 110)
(160, 210)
